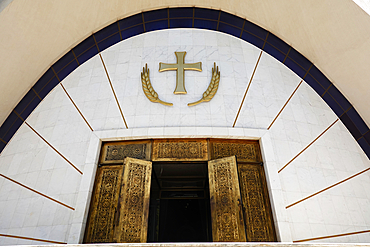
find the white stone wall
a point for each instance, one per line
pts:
(335, 156)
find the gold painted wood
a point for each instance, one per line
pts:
(148, 89)
(180, 150)
(116, 152)
(212, 87)
(133, 208)
(226, 208)
(100, 224)
(245, 151)
(180, 66)
(257, 210)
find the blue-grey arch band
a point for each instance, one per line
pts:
(188, 18)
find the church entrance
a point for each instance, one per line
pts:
(179, 206)
(180, 190)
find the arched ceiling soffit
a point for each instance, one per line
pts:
(333, 35)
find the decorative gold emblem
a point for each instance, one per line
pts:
(180, 66)
(212, 88)
(148, 89)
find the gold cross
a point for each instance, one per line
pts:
(180, 66)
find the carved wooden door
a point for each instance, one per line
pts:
(226, 205)
(133, 207)
(100, 226)
(257, 209)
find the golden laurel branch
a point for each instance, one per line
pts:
(212, 88)
(148, 88)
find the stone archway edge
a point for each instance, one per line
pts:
(193, 17)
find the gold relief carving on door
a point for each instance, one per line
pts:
(180, 150)
(257, 212)
(120, 202)
(134, 202)
(114, 152)
(226, 208)
(245, 152)
(103, 205)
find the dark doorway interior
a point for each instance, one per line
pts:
(179, 206)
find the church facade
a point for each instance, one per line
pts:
(166, 78)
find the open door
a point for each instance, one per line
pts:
(133, 205)
(100, 225)
(257, 210)
(226, 204)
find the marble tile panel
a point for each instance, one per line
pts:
(59, 232)
(318, 230)
(34, 212)
(91, 92)
(175, 131)
(300, 230)
(75, 234)
(41, 233)
(8, 209)
(269, 91)
(306, 131)
(283, 232)
(20, 213)
(204, 131)
(31, 216)
(69, 133)
(363, 238)
(314, 212)
(290, 180)
(158, 131)
(325, 172)
(48, 211)
(43, 179)
(6, 241)
(282, 149)
(82, 207)
(360, 187)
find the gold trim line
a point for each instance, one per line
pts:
(331, 236)
(308, 145)
(286, 103)
(114, 93)
(331, 186)
(246, 91)
(53, 148)
(33, 239)
(76, 107)
(54, 200)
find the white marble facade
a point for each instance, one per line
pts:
(335, 156)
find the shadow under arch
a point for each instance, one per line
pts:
(190, 17)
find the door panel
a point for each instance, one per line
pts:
(180, 150)
(246, 151)
(226, 208)
(134, 202)
(103, 204)
(116, 152)
(257, 212)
